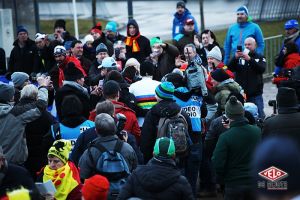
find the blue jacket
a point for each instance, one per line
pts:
(178, 22)
(237, 34)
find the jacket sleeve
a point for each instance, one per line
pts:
(94, 76)
(85, 164)
(186, 188)
(78, 149)
(173, 28)
(259, 40)
(227, 46)
(219, 157)
(127, 190)
(11, 62)
(259, 66)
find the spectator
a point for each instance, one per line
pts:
(238, 32)
(88, 49)
(95, 188)
(233, 153)
(20, 79)
(159, 179)
(77, 52)
(162, 58)
(137, 45)
(62, 172)
(112, 33)
(249, 67)
(23, 57)
(14, 120)
(61, 35)
(106, 128)
(2, 62)
(181, 15)
(120, 54)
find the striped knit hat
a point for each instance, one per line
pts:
(165, 90)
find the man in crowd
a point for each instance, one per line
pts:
(238, 32)
(77, 52)
(249, 67)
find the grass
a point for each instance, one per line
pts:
(84, 26)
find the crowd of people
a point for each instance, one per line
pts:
(126, 117)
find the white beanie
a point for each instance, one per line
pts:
(133, 62)
(215, 53)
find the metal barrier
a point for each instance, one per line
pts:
(272, 47)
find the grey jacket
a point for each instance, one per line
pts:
(109, 142)
(12, 127)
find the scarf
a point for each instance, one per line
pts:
(291, 38)
(132, 42)
(65, 179)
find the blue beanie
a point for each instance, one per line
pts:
(111, 26)
(291, 24)
(165, 90)
(21, 28)
(242, 9)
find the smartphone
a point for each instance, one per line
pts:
(100, 84)
(239, 48)
(225, 119)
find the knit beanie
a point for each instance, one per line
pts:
(286, 97)
(243, 9)
(274, 154)
(39, 36)
(21, 28)
(111, 26)
(164, 147)
(165, 90)
(234, 108)
(95, 188)
(219, 75)
(60, 23)
(59, 50)
(180, 4)
(291, 24)
(61, 149)
(101, 48)
(97, 28)
(133, 62)
(68, 104)
(88, 38)
(6, 92)
(215, 53)
(175, 78)
(72, 73)
(19, 78)
(155, 40)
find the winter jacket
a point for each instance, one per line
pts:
(2, 62)
(223, 90)
(166, 62)
(85, 63)
(164, 108)
(24, 59)
(237, 34)
(46, 57)
(183, 39)
(233, 154)
(286, 123)
(13, 123)
(179, 20)
(86, 164)
(105, 41)
(249, 74)
(292, 61)
(13, 176)
(72, 88)
(159, 179)
(131, 124)
(143, 43)
(95, 73)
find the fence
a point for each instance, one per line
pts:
(266, 10)
(272, 47)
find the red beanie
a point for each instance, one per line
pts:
(97, 28)
(95, 188)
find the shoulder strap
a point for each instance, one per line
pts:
(118, 146)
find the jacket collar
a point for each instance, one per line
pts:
(239, 122)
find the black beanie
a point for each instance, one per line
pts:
(72, 73)
(234, 109)
(220, 75)
(180, 4)
(175, 78)
(286, 97)
(60, 23)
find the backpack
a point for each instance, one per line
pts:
(175, 127)
(195, 76)
(112, 165)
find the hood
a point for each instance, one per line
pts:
(4, 109)
(135, 24)
(166, 108)
(184, 15)
(231, 85)
(157, 175)
(77, 86)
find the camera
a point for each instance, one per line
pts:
(117, 52)
(239, 48)
(225, 119)
(121, 120)
(273, 103)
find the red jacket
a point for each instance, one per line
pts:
(219, 66)
(292, 61)
(131, 124)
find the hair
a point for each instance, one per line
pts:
(105, 107)
(105, 124)
(114, 75)
(71, 105)
(192, 46)
(29, 91)
(74, 42)
(212, 35)
(291, 48)
(129, 73)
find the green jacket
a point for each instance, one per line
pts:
(233, 153)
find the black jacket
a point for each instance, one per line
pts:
(249, 75)
(164, 108)
(159, 179)
(24, 59)
(46, 57)
(2, 61)
(187, 38)
(105, 41)
(94, 73)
